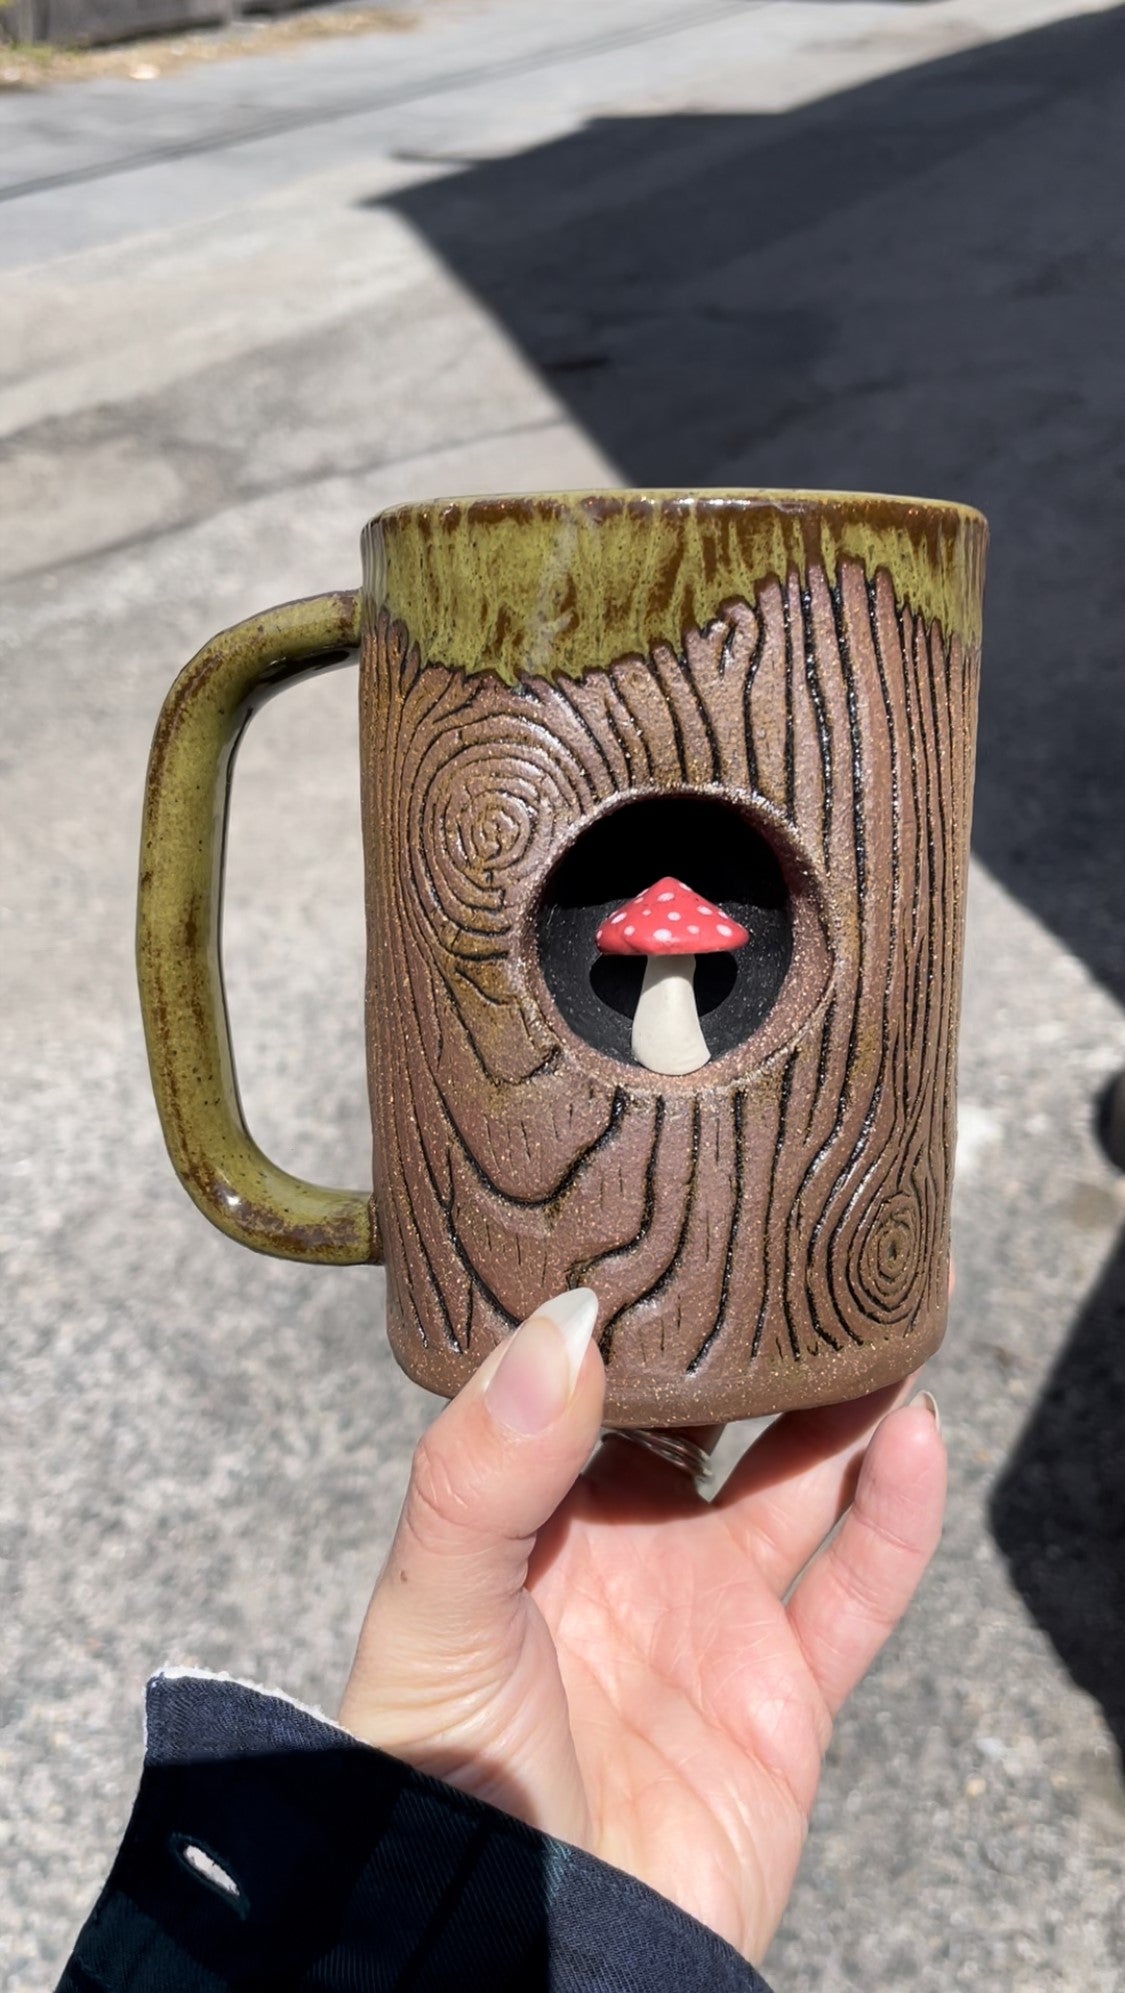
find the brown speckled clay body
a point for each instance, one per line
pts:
(769, 696)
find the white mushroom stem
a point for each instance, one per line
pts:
(666, 1033)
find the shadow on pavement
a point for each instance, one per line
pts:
(910, 286)
(1058, 1511)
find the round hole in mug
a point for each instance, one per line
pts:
(713, 847)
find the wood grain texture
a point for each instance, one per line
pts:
(772, 1230)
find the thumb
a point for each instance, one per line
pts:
(449, 1626)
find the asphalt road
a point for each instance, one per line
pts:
(867, 245)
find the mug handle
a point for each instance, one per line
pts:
(179, 920)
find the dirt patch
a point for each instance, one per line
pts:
(30, 67)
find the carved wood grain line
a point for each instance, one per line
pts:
(805, 1234)
(416, 1276)
(583, 1271)
(790, 608)
(632, 1318)
(894, 1082)
(755, 631)
(702, 653)
(860, 1177)
(738, 1106)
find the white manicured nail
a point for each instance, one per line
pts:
(574, 1315)
(930, 1404)
(534, 1381)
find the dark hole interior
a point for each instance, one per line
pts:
(716, 851)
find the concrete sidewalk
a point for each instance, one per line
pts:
(243, 308)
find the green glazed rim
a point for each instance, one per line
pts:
(561, 583)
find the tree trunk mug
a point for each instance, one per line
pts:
(666, 807)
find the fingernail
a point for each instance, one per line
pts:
(533, 1382)
(927, 1399)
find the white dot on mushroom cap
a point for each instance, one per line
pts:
(703, 910)
(675, 916)
(662, 934)
(692, 928)
(616, 918)
(630, 930)
(722, 928)
(665, 896)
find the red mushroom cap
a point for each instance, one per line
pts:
(669, 919)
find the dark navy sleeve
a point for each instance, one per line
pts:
(268, 1849)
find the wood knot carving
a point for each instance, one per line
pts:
(887, 1262)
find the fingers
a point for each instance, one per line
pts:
(792, 1486)
(486, 1476)
(853, 1595)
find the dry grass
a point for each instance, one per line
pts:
(24, 67)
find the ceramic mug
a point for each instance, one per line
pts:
(580, 713)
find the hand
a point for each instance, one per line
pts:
(619, 1662)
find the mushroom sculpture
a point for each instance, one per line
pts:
(671, 925)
